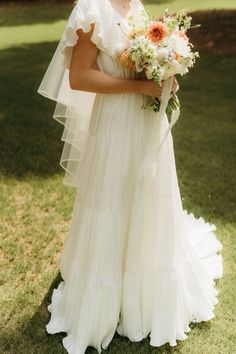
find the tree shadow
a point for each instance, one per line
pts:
(28, 12)
(33, 338)
(204, 136)
(217, 33)
(30, 138)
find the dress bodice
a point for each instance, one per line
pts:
(136, 10)
(119, 30)
(74, 107)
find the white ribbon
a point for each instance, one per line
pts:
(154, 144)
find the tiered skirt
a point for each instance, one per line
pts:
(134, 260)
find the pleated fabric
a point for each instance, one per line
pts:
(134, 261)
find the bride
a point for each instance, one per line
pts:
(134, 260)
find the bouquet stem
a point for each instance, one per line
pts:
(155, 104)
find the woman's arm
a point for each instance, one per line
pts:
(85, 75)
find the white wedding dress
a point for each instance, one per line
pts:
(134, 261)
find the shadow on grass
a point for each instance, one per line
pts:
(30, 137)
(28, 13)
(32, 336)
(204, 137)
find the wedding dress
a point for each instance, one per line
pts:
(134, 260)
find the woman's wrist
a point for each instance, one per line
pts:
(139, 85)
(133, 85)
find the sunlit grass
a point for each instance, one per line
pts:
(157, 7)
(36, 207)
(45, 22)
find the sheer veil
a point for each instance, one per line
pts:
(73, 107)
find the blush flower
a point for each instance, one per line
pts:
(157, 31)
(182, 34)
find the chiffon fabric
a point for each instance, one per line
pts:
(134, 261)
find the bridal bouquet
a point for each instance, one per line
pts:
(159, 50)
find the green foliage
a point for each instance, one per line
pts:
(181, 20)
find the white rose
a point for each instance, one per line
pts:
(162, 54)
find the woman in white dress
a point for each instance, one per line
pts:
(134, 261)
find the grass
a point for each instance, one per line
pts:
(36, 207)
(174, 5)
(38, 24)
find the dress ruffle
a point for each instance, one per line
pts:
(132, 252)
(73, 107)
(92, 303)
(134, 261)
(141, 264)
(92, 322)
(84, 14)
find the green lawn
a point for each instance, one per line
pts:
(174, 5)
(36, 206)
(38, 24)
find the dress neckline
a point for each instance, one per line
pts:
(125, 19)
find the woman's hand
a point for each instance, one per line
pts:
(85, 75)
(150, 88)
(175, 86)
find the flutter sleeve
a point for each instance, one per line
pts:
(83, 15)
(73, 107)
